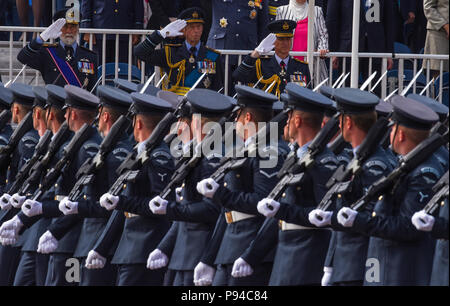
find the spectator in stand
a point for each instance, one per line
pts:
(161, 13)
(436, 42)
(415, 24)
(118, 14)
(297, 10)
(22, 10)
(323, 4)
(375, 36)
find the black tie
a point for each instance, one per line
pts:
(282, 65)
(193, 50)
(69, 53)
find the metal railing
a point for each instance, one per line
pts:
(415, 58)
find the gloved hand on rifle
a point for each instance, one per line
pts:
(423, 221)
(109, 201)
(158, 205)
(17, 200)
(9, 231)
(207, 187)
(47, 243)
(4, 202)
(68, 207)
(94, 260)
(320, 218)
(268, 207)
(346, 216)
(32, 208)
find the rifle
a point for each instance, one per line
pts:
(69, 152)
(409, 162)
(187, 164)
(386, 141)
(5, 117)
(229, 163)
(338, 145)
(441, 192)
(39, 151)
(340, 181)
(5, 152)
(90, 168)
(42, 163)
(440, 127)
(293, 169)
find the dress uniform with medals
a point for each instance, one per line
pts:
(142, 233)
(273, 69)
(195, 215)
(405, 254)
(239, 194)
(61, 64)
(183, 64)
(349, 254)
(10, 255)
(300, 247)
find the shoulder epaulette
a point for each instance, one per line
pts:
(86, 49)
(49, 45)
(175, 45)
(213, 50)
(265, 57)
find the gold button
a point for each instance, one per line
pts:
(115, 11)
(374, 214)
(95, 12)
(339, 196)
(85, 197)
(299, 188)
(182, 185)
(56, 185)
(181, 198)
(284, 195)
(380, 198)
(238, 175)
(6, 181)
(442, 203)
(225, 184)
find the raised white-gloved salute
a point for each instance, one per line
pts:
(109, 201)
(207, 187)
(423, 221)
(241, 268)
(320, 218)
(47, 243)
(32, 208)
(267, 44)
(9, 231)
(326, 276)
(346, 216)
(158, 205)
(203, 274)
(54, 30)
(4, 202)
(157, 260)
(173, 29)
(17, 200)
(268, 207)
(95, 261)
(68, 207)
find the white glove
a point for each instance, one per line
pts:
(95, 261)
(422, 221)
(54, 30)
(9, 231)
(156, 260)
(158, 205)
(178, 194)
(109, 201)
(47, 243)
(326, 276)
(241, 268)
(346, 221)
(173, 29)
(68, 207)
(268, 207)
(267, 44)
(32, 208)
(4, 202)
(203, 274)
(207, 187)
(17, 200)
(320, 218)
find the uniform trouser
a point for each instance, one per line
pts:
(32, 269)
(9, 259)
(57, 270)
(139, 275)
(183, 278)
(260, 276)
(98, 277)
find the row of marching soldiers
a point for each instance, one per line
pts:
(355, 192)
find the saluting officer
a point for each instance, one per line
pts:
(141, 232)
(405, 255)
(275, 71)
(300, 247)
(239, 195)
(349, 252)
(64, 62)
(196, 215)
(186, 63)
